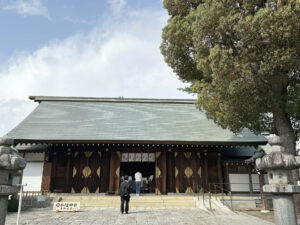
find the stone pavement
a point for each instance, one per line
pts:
(147, 216)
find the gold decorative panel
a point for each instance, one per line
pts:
(189, 190)
(73, 191)
(88, 154)
(75, 154)
(119, 154)
(85, 190)
(188, 172)
(157, 154)
(118, 171)
(157, 191)
(176, 172)
(177, 191)
(86, 172)
(187, 155)
(157, 172)
(199, 172)
(175, 154)
(198, 154)
(98, 171)
(74, 171)
(97, 191)
(100, 154)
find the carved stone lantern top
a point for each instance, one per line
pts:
(277, 159)
(9, 157)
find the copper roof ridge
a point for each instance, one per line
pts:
(108, 99)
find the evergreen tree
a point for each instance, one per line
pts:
(242, 59)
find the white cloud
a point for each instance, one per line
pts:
(77, 20)
(28, 7)
(116, 59)
(117, 6)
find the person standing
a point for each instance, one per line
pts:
(125, 194)
(138, 180)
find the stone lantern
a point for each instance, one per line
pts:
(279, 166)
(10, 163)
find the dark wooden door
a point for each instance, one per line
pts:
(160, 173)
(86, 172)
(58, 174)
(188, 172)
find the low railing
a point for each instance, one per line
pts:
(223, 190)
(203, 191)
(218, 187)
(29, 197)
(263, 198)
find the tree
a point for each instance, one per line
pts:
(242, 59)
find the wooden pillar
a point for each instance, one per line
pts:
(228, 186)
(105, 170)
(68, 172)
(46, 178)
(54, 162)
(114, 173)
(219, 165)
(205, 170)
(250, 180)
(170, 172)
(263, 196)
(160, 173)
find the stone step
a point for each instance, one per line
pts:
(156, 201)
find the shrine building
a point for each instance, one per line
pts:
(85, 145)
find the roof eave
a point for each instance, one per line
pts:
(167, 142)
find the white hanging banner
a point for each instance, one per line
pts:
(131, 157)
(145, 157)
(151, 157)
(137, 157)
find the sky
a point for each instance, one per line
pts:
(94, 48)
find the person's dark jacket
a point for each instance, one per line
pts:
(125, 189)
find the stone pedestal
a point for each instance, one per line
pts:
(279, 166)
(284, 209)
(10, 163)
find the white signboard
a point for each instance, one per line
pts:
(66, 206)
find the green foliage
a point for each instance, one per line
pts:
(242, 59)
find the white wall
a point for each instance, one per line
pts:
(32, 176)
(239, 178)
(244, 179)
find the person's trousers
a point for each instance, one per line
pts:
(138, 187)
(126, 201)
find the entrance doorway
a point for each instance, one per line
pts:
(147, 169)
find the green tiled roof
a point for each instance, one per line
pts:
(128, 120)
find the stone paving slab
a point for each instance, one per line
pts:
(143, 216)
